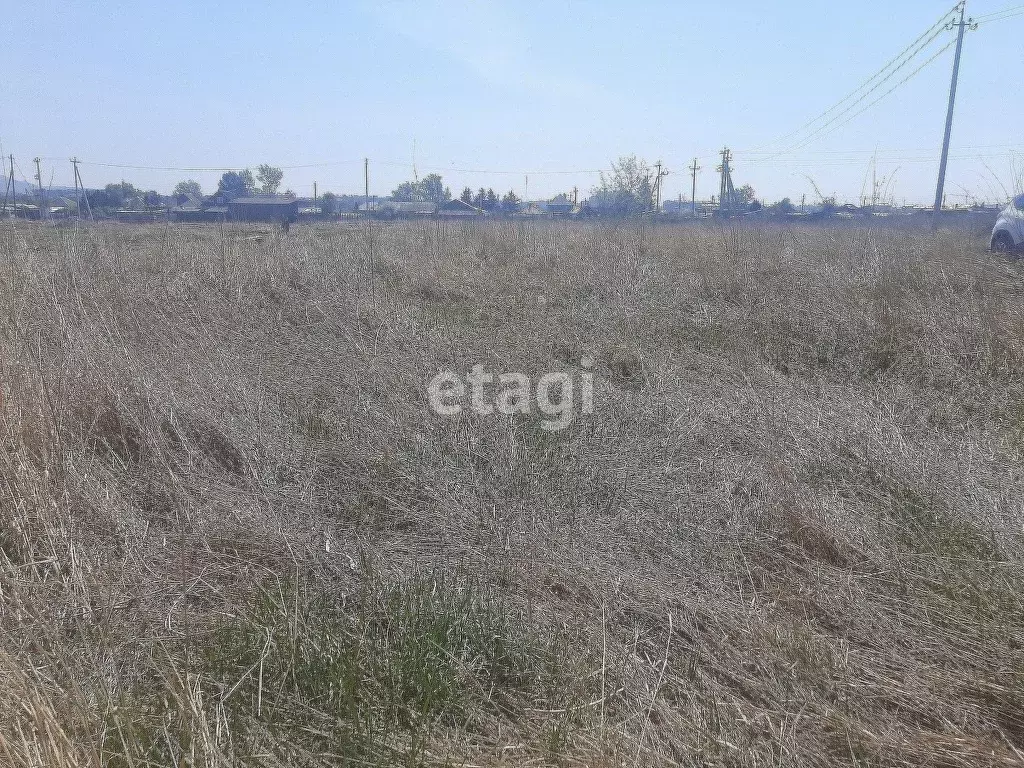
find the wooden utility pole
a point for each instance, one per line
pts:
(693, 187)
(366, 183)
(78, 195)
(961, 26)
(657, 188)
(14, 191)
(80, 190)
(7, 188)
(43, 212)
(656, 191)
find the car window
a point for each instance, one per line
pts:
(1018, 202)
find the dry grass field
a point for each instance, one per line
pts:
(232, 532)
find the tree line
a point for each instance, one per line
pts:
(628, 189)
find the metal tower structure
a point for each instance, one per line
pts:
(726, 191)
(656, 187)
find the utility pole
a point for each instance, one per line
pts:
(961, 26)
(7, 188)
(657, 188)
(314, 195)
(656, 191)
(43, 212)
(78, 197)
(874, 181)
(14, 191)
(693, 187)
(726, 192)
(80, 190)
(366, 183)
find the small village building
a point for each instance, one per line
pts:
(194, 215)
(559, 206)
(459, 208)
(265, 208)
(398, 209)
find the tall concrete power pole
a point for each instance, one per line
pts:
(726, 192)
(961, 26)
(43, 209)
(14, 194)
(693, 187)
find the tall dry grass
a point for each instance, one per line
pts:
(233, 533)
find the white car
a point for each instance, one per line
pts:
(1008, 233)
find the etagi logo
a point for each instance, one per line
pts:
(511, 393)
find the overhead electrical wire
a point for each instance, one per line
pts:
(819, 157)
(998, 15)
(834, 122)
(895, 64)
(822, 130)
(1000, 18)
(198, 169)
(832, 119)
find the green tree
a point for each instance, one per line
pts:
(407, 192)
(236, 184)
(467, 196)
(429, 189)
(485, 199)
(510, 202)
(434, 190)
(114, 196)
(269, 178)
(745, 195)
(187, 190)
(329, 203)
(627, 191)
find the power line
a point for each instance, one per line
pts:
(440, 169)
(1000, 12)
(989, 20)
(496, 172)
(883, 96)
(823, 129)
(933, 30)
(905, 150)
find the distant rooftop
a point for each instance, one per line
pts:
(263, 200)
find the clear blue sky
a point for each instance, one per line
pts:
(511, 87)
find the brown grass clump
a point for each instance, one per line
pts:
(232, 532)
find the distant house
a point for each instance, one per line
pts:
(194, 215)
(145, 216)
(393, 208)
(459, 208)
(25, 211)
(686, 207)
(267, 208)
(559, 206)
(531, 209)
